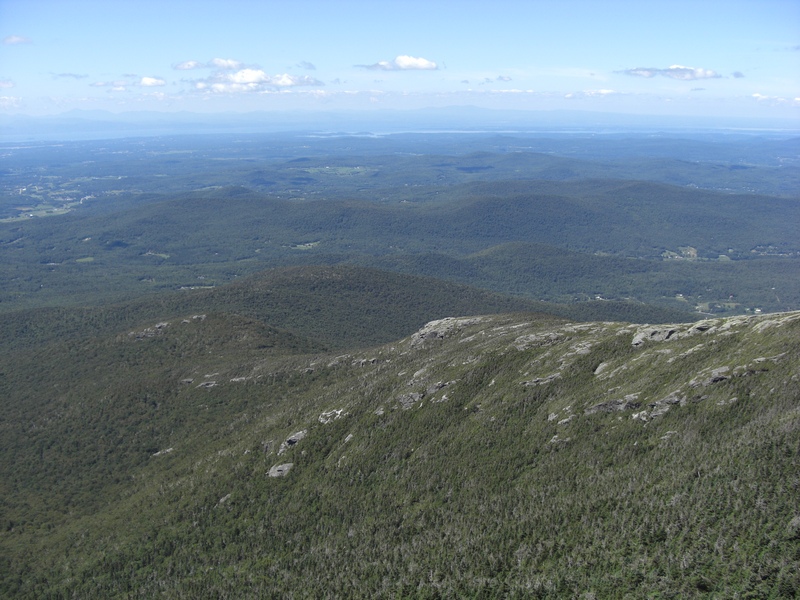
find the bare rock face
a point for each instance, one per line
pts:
(280, 470)
(714, 376)
(291, 441)
(626, 403)
(408, 400)
(653, 334)
(437, 330)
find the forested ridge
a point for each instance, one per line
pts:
(506, 456)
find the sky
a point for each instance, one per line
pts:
(737, 58)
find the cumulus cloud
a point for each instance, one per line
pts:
(11, 40)
(225, 63)
(151, 82)
(188, 65)
(403, 63)
(673, 72)
(252, 80)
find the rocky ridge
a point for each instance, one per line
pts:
(574, 371)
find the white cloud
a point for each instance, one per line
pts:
(287, 80)
(673, 72)
(225, 63)
(151, 82)
(249, 76)
(6, 84)
(11, 40)
(775, 100)
(9, 102)
(403, 63)
(252, 80)
(591, 94)
(188, 65)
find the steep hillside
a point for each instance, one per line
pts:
(483, 456)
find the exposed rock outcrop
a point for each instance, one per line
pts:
(626, 403)
(280, 470)
(291, 441)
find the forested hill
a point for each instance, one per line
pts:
(677, 247)
(491, 456)
(338, 306)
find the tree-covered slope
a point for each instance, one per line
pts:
(341, 306)
(484, 456)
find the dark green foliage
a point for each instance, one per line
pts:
(482, 486)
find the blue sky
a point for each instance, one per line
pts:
(706, 57)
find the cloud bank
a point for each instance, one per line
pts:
(679, 72)
(232, 76)
(252, 80)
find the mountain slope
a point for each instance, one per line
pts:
(494, 456)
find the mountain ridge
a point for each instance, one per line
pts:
(511, 455)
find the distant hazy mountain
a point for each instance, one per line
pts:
(95, 124)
